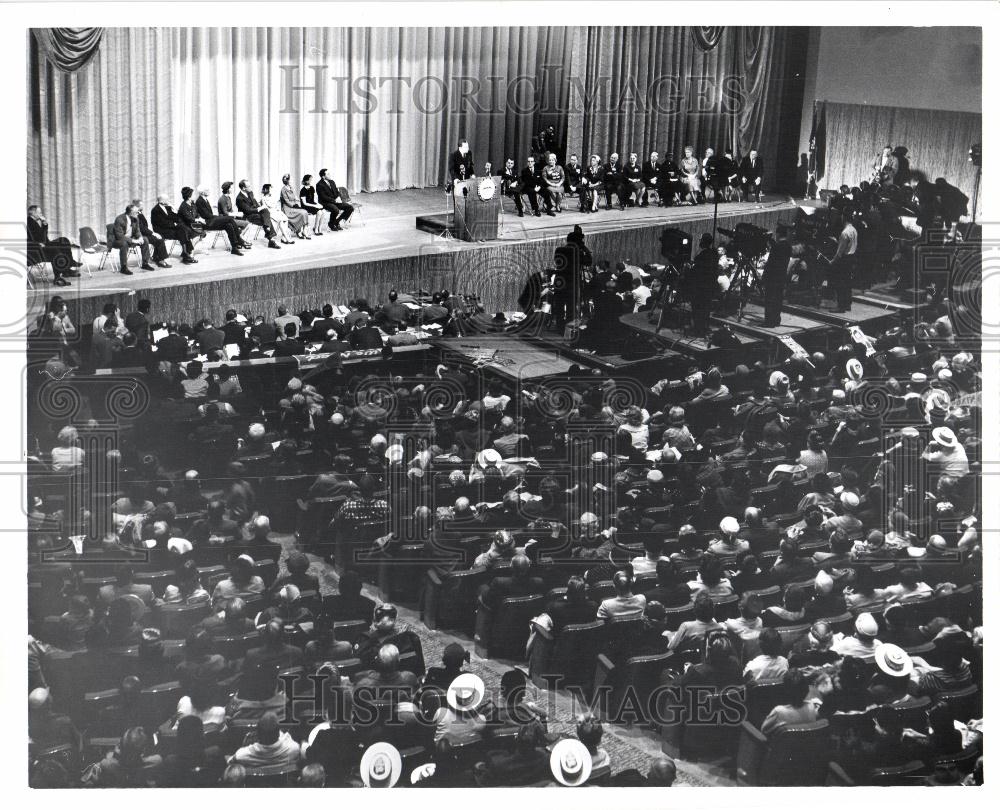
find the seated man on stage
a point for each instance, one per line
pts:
(126, 235)
(510, 185)
(672, 187)
(158, 243)
(57, 252)
(651, 170)
(591, 184)
(554, 178)
(210, 222)
(256, 213)
(534, 186)
(728, 174)
(460, 164)
(168, 225)
(329, 197)
(573, 171)
(750, 175)
(613, 181)
(710, 172)
(633, 189)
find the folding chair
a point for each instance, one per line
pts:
(109, 247)
(346, 197)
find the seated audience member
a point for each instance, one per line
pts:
(792, 611)
(624, 604)
(242, 581)
(271, 746)
(799, 709)
(589, 731)
(130, 764)
(646, 564)
(670, 590)
(770, 664)
(573, 608)
(452, 660)
(815, 648)
(862, 642)
(695, 630)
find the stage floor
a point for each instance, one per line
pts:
(384, 229)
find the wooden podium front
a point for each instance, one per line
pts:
(477, 209)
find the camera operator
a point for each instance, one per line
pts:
(774, 275)
(703, 284)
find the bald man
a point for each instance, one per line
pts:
(213, 222)
(169, 225)
(273, 746)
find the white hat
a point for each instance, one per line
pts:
(255, 431)
(854, 369)
(337, 418)
(466, 692)
(289, 593)
(589, 517)
(918, 377)
(422, 772)
(824, 583)
(654, 476)
(866, 625)
(945, 437)
(381, 766)
(394, 453)
(570, 762)
(729, 525)
(489, 457)
(945, 374)
(378, 440)
(599, 457)
(294, 384)
(961, 360)
(893, 660)
(178, 545)
(849, 501)
(838, 395)
(778, 378)
(910, 432)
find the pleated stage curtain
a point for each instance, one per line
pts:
(639, 89)
(101, 135)
(937, 141)
(381, 108)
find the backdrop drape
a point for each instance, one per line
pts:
(101, 135)
(381, 108)
(938, 141)
(69, 49)
(641, 89)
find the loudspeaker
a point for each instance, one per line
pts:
(676, 245)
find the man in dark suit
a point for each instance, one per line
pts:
(532, 185)
(670, 183)
(510, 185)
(572, 171)
(263, 331)
(365, 336)
(256, 213)
(321, 326)
(291, 345)
(728, 173)
(520, 583)
(460, 164)
(651, 178)
(704, 283)
(125, 235)
(613, 180)
(751, 172)
(168, 225)
(394, 311)
(234, 331)
(156, 240)
(173, 347)
(209, 338)
(773, 276)
(137, 322)
(195, 224)
(329, 197)
(58, 252)
(211, 222)
(569, 259)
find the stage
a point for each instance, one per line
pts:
(382, 249)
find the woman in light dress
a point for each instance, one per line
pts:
(278, 216)
(691, 168)
(298, 217)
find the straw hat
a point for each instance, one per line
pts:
(893, 660)
(466, 692)
(570, 762)
(381, 766)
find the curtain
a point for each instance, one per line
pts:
(707, 37)
(69, 49)
(937, 142)
(380, 108)
(100, 136)
(639, 89)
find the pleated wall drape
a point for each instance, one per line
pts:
(639, 89)
(937, 141)
(381, 108)
(101, 135)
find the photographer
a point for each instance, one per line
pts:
(773, 277)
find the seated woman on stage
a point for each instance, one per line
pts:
(591, 185)
(554, 178)
(691, 169)
(633, 187)
(278, 217)
(307, 196)
(298, 217)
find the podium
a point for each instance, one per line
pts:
(477, 208)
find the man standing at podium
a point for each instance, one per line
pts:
(460, 164)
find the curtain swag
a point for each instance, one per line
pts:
(69, 49)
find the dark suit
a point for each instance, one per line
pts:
(203, 208)
(572, 181)
(651, 177)
(40, 249)
(529, 181)
(773, 279)
(613, 182)
(570, 259)
(248, 205)
(750, 172)
(510, 185)
(126, 229)
(704, 283)
(169, 225)
(457, 162)
(328, 193)
(158, 243)
(365, 337)
(173, 348)
(632, 183)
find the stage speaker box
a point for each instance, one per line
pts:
(676, 245)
